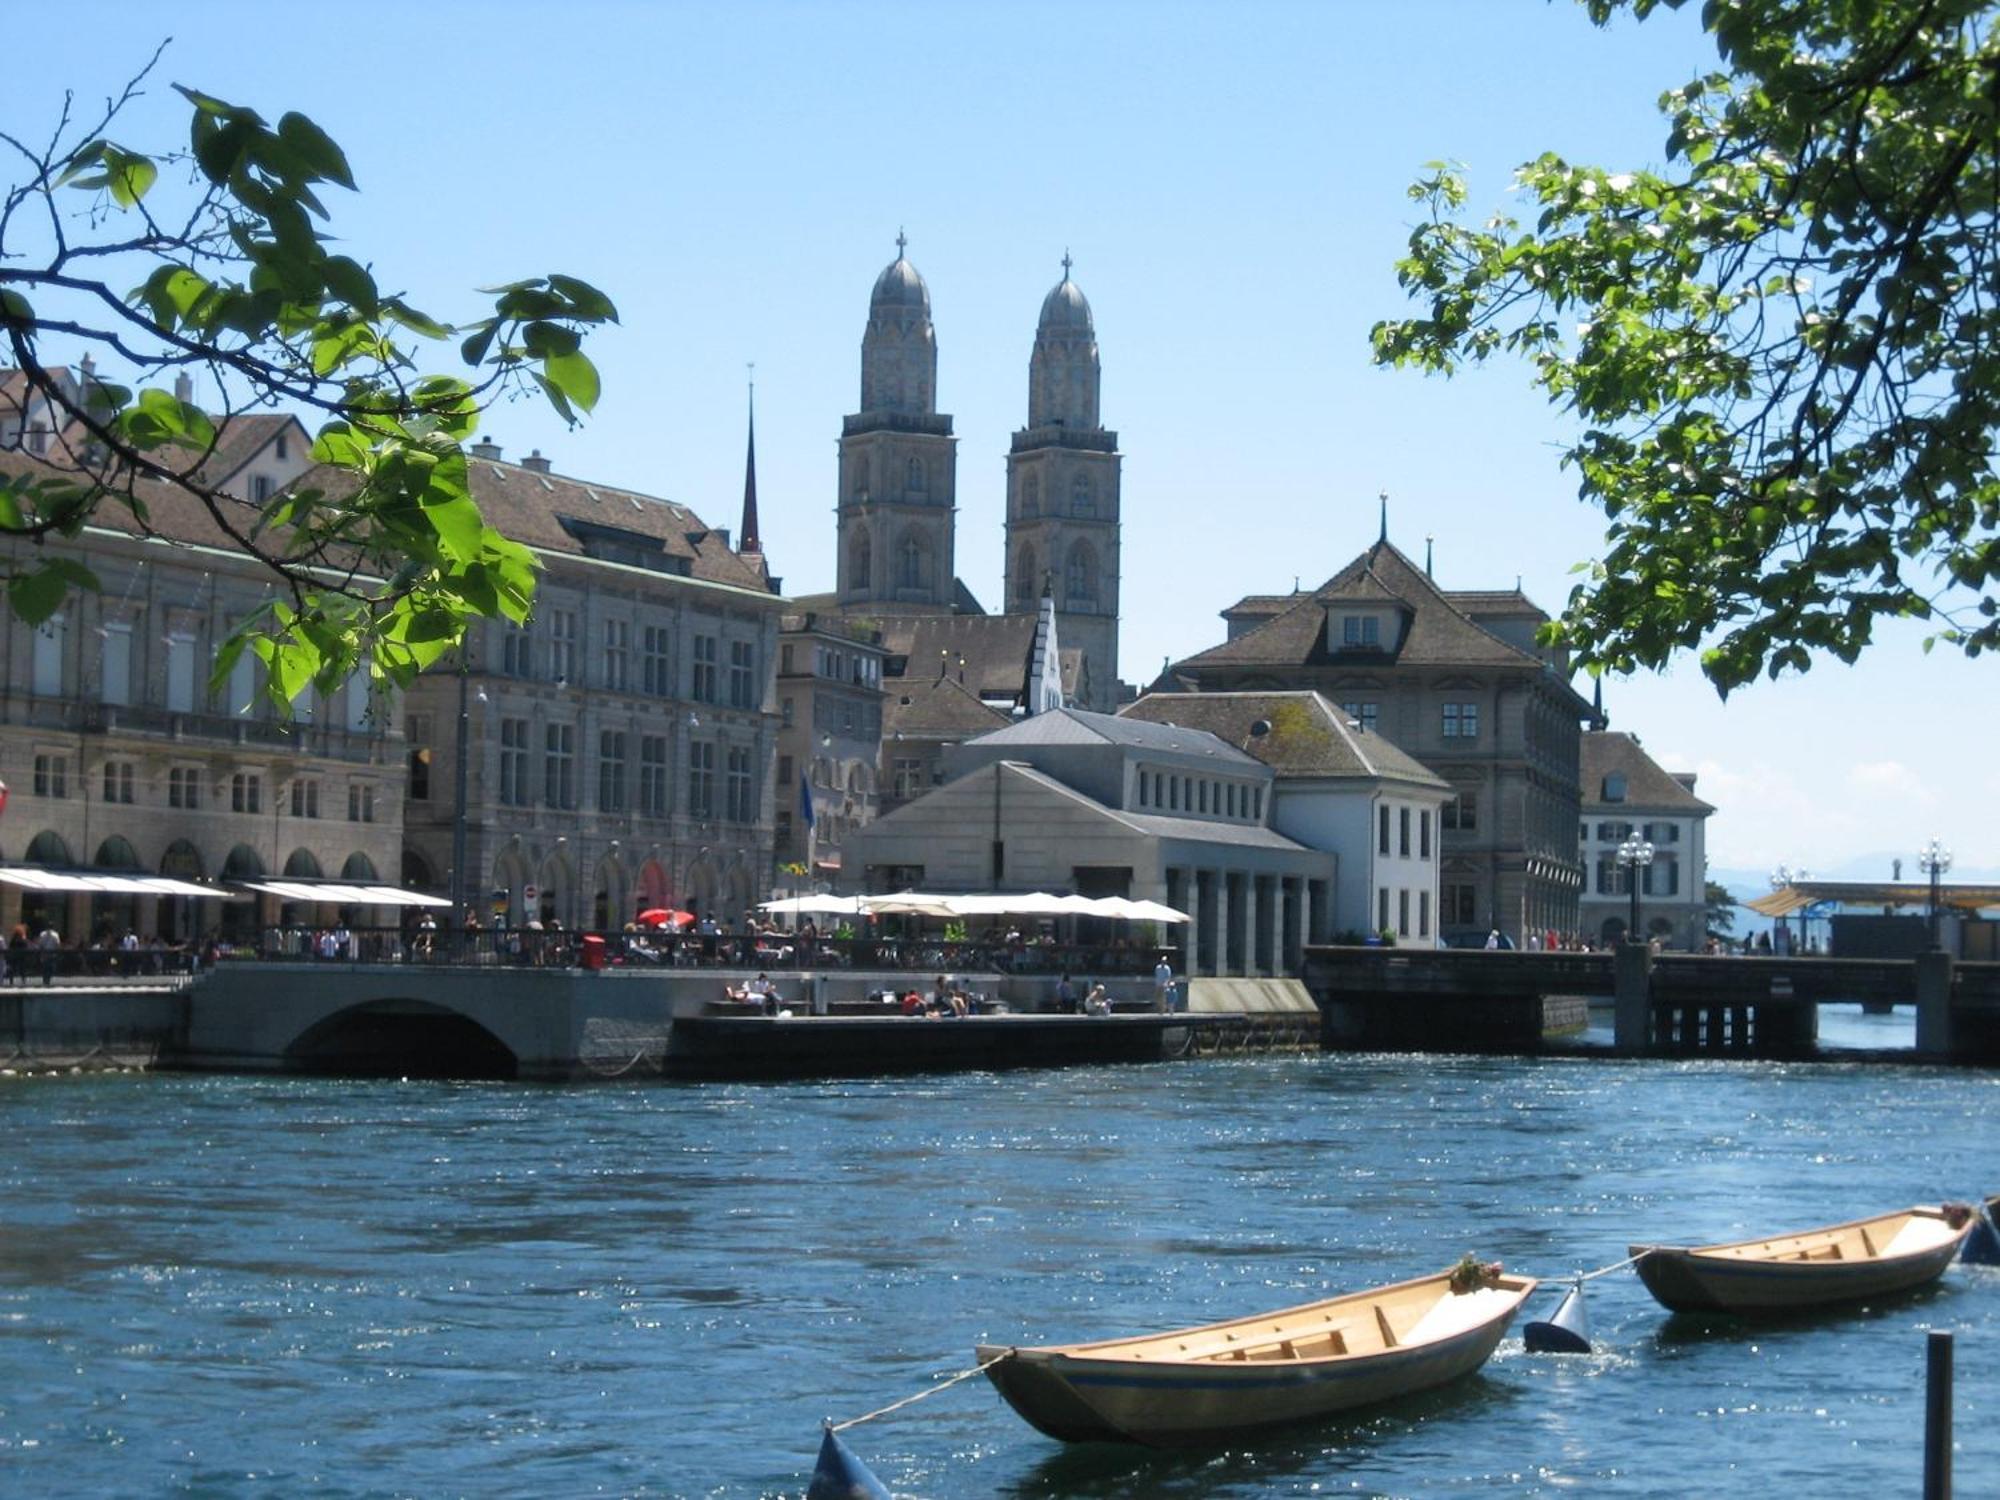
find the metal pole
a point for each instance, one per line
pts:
(461, 754)
(1937, 1417)
(1934, 900)
(1632, 879)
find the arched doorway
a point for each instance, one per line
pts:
(555, 902)
(113, 914)
(1612, 930)
(609, 907)
(182, 861)
(654, 887)
(300, 864)
(359, 869)
(510, 876)
(238, 923)
(41, 909)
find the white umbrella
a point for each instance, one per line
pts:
(843, 906)
(909, 904)
(1153, 911)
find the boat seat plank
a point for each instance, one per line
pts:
(1388, 1333)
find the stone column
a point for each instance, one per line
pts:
(1221, 879)
(1191, 904)
(1934, 1003)
(1272, 910)
(1632, 970)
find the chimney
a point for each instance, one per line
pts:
(184, 388)
(485, 448)
(534, 460)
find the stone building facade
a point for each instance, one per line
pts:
(117, 754)
(620, 747)
(1626, 791)
(830, 738)
(1457, 680)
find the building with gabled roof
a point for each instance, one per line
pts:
(1339, 788)
(1627, 792)
(1070, 801)
(1461, 683)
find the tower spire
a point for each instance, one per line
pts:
(1598, 721)
(1067, 263)
(750, 541)
(1385, 519)
(1428, 539)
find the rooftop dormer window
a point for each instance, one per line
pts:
(1360, 631)
(1614, 787)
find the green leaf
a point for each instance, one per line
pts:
(130, 176)
(315, 149)
(40, 592)
(575, 376)
(15, 310)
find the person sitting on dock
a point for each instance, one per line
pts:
(762, 993)
(1097, 1002)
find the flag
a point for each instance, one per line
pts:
(805, 800)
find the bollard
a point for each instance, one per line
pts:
(1937, 1417)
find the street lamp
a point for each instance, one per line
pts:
(1633, 856)
(1934, 860)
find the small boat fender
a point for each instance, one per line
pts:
(839, 1475)
(1565, 1331)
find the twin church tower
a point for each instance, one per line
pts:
(899, 481)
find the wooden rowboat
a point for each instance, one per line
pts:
(1212, 1383)
(1813, 1268)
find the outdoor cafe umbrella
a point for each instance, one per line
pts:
(660, 916)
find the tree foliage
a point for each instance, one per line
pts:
(1721, 909)
(1783, 349)
(217, 261)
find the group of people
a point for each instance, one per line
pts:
(946, 999)
(109, 953)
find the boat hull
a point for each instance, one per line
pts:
(1710, 1280)
(1077, 1398)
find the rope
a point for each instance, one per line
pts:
(1630, 1260)
(950, 1380)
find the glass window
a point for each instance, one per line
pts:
(117, 781)
(180, 673)
(360, 802)
(611, 771)
(701, 778)
(50, 639)
(656, 669)
(1382, 830)
(559, 765)
(1403, 832)
(246, 792)
(704, 669)
(562, 645)
(617, 655)
(1424, 836)
(653, 775)
(741, 809)
(742, 675)
(1423, 914)
(117, 667)
(514, 762)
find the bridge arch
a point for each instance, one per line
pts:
(396, 1038)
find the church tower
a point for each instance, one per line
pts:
(898, 460)
(1062, 493)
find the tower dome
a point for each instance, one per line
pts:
(1066, 311)
(899, 287)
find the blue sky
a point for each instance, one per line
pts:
(1231, 180)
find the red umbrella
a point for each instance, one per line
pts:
(660, 916)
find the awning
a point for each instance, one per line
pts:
(843, 906)
(339, 893)
(1795, 897)
(35, 878)
(984, 904)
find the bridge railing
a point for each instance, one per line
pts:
(538, 948)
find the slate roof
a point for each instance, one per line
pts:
(1647, 786)
(520, 503)
(994, 647)
(1439, 633)
(935, 708)
(1309, 737)
(1076, 726)
(1495, 602)
(1163, 825)
(1261, 606)
(242, 438)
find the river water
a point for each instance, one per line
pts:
(259, 1286)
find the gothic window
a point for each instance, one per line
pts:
(1024, 577)
(1031, 495)
(860, 562)
(1080, 577)
(918, 480)
(1081, 501)
(913, 568)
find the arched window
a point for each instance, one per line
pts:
(919, 480)
(1080, 577)
(1031, 495)
(1082, 502)
(1024, 577)
(860, 561)
(913, 567)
